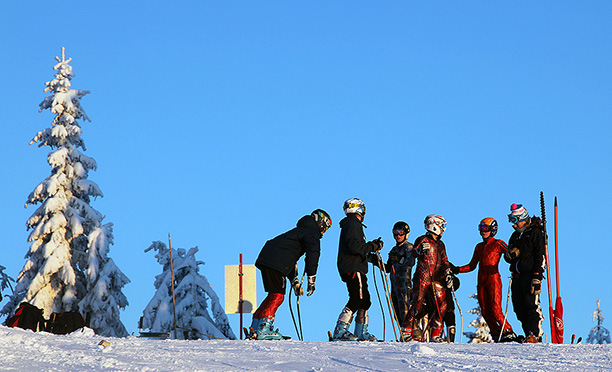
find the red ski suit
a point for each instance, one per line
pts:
(489, 287)
(431, 267)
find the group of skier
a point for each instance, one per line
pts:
(423, 302)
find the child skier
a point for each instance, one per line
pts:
(399, 266)
(277, 261)
(430, 280)
(353, 257)
(489, 287)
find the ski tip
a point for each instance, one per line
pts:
(579, 339)
(555, 201)
(329, 334)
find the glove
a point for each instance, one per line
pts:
(423, 249)
(536, 286)
(454, 269)
(297, 287)
(449, 278)
(512, 254)
(377, 244)
(311, 286)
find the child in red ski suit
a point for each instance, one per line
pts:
(487, 255)
(429, 281)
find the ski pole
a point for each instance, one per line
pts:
(382, 309)
(460, 314)
(298, 330)
(297, 301)
(506, 313)
(392, 312)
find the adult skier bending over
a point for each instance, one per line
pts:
(487, 255)
(278, 260)
(432, 270)
(526, 256)
(353, 256)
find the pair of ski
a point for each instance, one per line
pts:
(331, 338)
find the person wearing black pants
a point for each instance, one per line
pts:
(526, 256)
(277, 262)
(353, 257)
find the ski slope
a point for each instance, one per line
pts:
(24, 350)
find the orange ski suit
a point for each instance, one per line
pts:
(489, 287)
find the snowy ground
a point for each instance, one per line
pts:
(28, 351)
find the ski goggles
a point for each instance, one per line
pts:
(399, 232)
(485, 228)
(516, 219)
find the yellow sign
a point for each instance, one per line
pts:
(232, 289)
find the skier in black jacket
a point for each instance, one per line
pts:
(526, 256)
(278, 260)
(353, 257)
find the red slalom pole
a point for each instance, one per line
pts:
(558, 305)
(240, 299)
(553, 330)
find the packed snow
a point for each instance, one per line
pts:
(83, 350)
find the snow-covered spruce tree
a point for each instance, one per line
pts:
(65, 260)
(598, 334)
(482, 329)
(193, 294)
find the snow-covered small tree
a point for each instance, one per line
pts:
(194, 297)
(482, 333)
(598, 334)
(58, 272)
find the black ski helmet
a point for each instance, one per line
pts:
(322, 219)
(401, 225)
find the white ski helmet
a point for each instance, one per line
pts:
(354, 205)
(435, 223)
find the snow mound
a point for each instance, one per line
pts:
(422, 349)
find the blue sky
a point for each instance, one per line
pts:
(224, 123)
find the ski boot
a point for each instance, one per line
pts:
(508, 336)
(436, 335)
(531, 339)
(341, 332)
(361, 326)
(250, 333)
(362, 334)
(451, 334)
(406, 334)
(266, 331)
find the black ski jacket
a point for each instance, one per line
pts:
(283, 252)
(530, 243)
(353, 249)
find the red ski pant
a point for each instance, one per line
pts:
(424, 293)
(267, 309)
(489, 290)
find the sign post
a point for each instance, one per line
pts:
(240, 290)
